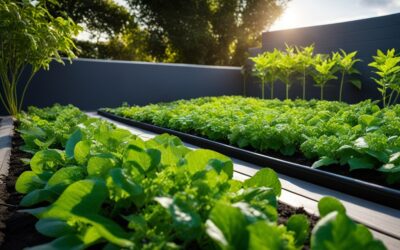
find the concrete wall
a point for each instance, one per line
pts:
(91, 84)
(365, 36)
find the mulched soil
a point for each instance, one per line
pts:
(19, 229)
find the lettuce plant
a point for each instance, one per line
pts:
(356, 136)
(30, 38)
(387, 67)
(345, 65)
(107, 188)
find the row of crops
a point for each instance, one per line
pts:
(355, 137)
(295, 65)
(91, 184)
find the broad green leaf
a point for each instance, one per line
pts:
(53, 227)
(300, 225)
(360, 163)
(329, 204)
(82, 200)
(82, 151)
(199, 159)
(108, 229)
(265, 236)
(379, 155)
(46, 160)
(99, 165)
(44, 144)
(119, 180)
(147, 160)
(337, 231)
(67, 242)
(72, 141)
(356, 82)
(185, 220)
(81, 197)
(324, 161)
(136, 222)
(221, 166)
(166, 139)
(226, 226)
(28, 181)
(264, 194)
(66, 176)
(265, 177)
(390, 168)
(368, 120)
(38, 196)
(252, 215)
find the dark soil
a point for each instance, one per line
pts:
(19, 229)
(285, 211)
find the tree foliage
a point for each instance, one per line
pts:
(30, 38)
(204, 31)
(96, 16)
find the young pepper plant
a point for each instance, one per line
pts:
(286, 67)
(388, 69)
(265, 68)
(260, 70)
(345, 64)
(324, 71)
(304, 60)
(273, 68)
(30, 38)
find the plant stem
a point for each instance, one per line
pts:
(287, 89)
(397, 96)
(25, 88)
(272, 88)
(384, 95)
(262, 89)
(390, 97)
(304, 83)
(322, 92)
(341, 87)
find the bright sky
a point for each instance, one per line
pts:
(302, 13)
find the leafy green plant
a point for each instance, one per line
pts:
(324, 71)
(345, 64)
(356, 136)
(266, 69)
(304, 60)
(261, 65)
(286, 67)
(387, 67)
(273, 68)
(108, 188)
(30, 38)
(336, 230)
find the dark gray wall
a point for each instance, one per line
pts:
(365, 36)
(91, 84)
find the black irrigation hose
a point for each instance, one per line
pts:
(369, 191)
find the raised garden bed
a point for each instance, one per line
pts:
(71, 213)
(368, 183)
